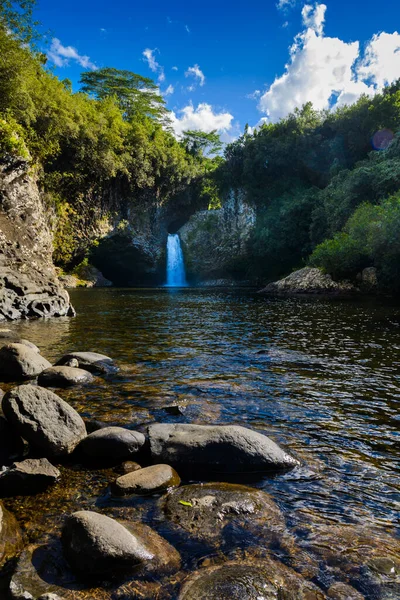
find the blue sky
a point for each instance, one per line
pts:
(222, 64)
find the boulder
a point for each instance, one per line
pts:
(112, 443)
(150, 480)
(94, 543)
(129, 466)
(225, 448)
(11, 444)
(309, 281)
(64, 377)
(44, 419)
(269, 580)
(18, 361)
(203, 510)
(9, 337)
(90, 361)
(11, 541)
(28, 477)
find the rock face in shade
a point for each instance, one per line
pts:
(44, 419)
(90, 361)
(11, 541)
(113, 443)
(18, 361)
(28, 283)
(94, 543)
(11, 444)
(28, 477)
(149, 480)
(225, 449)
(64, 377)
(269, 580)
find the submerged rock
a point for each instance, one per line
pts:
(150, 480)
(44, 419)
(225, 449)
(309, 281)
(341, 591)
(269, 580)
(18, 361)
(94, 543)
(11, 541)
(113, 443)
(11, 444)
(90, 361)
(28, 477)
(204, 509)
(64, 376)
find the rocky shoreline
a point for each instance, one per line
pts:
(91, 554)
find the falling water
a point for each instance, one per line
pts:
(175, 266)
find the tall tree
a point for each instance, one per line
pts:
(200, 143)
(16, 16)
(136, 96)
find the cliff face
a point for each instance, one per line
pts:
(28, 283)
(215, 241)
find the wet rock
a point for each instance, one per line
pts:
(226, 449)
(176, 410)
(129, 466)
(94, 543)
(150, 480)
(42, 568)
(90, 361)
(50, 597)
(269, 580)
(204, 509)
(64, 377)
(11, 444)
(9, 337)
(73, 362)
(341, 591)
(309, 281)
(112, 443)
(28, 477)
(11, 540)
(18, 361)
(44, 419)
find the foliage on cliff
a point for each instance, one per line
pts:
(308, 174)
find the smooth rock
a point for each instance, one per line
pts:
(225, 449)
(113, 443)
(18, 361)
(203, 510)
(64, 377)
(129, 466)
(11, 540)
(44, 419)
(11, 444)
(309, 281)
(28, 477)
(269, 580)
(90, 361)
(149, 480)
(9, 337)
(94, 543)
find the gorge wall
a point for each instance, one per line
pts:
(28, 283)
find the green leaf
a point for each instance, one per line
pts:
(185, 503)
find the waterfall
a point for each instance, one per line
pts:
(175, 266)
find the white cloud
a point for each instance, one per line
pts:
(328, 71)
(285, 4)
(174, 68)
(314, 17)
(170, 90)
(381, 63)
(202, 118)
(187, 28)
(149, 57)
(197, 73)
(61, 56)
(254, 95)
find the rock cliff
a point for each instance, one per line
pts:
(28, 283)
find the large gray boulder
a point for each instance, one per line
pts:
(18, 361)
(149, 480)
(28, 477)
(112, 443)
(90, 361)
(225, 448)
(64, 377)
(309, 281)
(94, 543)
(44, 419)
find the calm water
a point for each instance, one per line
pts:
(320, 377)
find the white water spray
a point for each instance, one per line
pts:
(175, 266)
